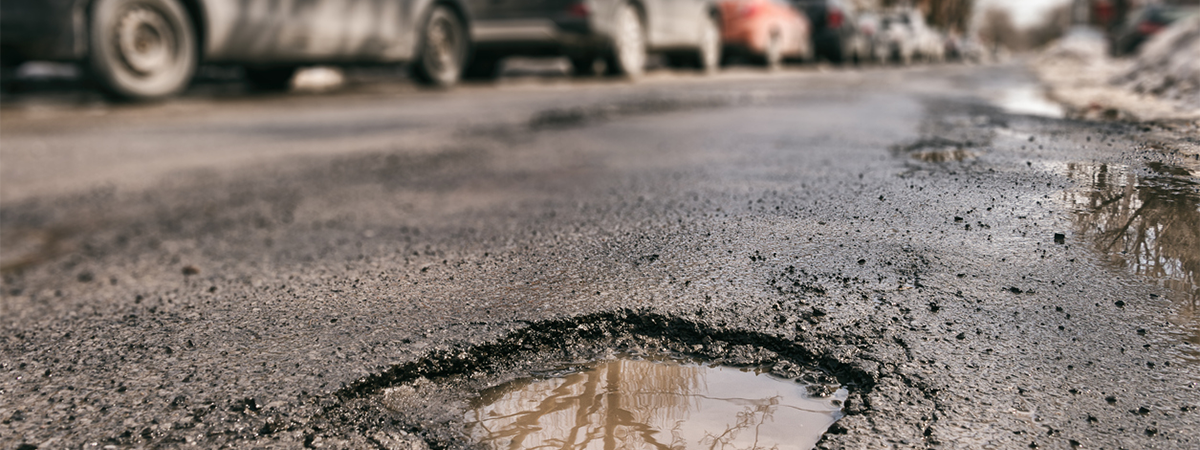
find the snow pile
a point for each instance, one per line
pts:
(1079, 45)
(1162, 84)
(1169, 64)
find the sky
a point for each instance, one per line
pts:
(1024, 12)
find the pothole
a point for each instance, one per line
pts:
(937, 150)
(626, 378)
(658, 403)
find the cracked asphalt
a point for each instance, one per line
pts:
(347, 270)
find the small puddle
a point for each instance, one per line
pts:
(1148, 223)
(1030, 100)
(937, 150)
(664, 404)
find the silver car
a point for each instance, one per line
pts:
(144, 49)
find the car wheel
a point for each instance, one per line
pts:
(837, 54)
(8, 73)
(628, 57)
(708, 57)
(583, 65)
(441, 50)
(141, 49)
(484, 66)
(270, 79)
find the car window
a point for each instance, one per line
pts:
(1173, 14)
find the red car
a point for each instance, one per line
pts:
(767, 30)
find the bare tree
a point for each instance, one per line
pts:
(1052, 27)
(949, 15)
(997, 30)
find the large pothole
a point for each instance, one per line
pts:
(642, 380)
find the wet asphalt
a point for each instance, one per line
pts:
(347, 270)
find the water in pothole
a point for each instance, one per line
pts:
(637, 404)
(1146, 221)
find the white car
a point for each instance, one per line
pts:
(898, 39)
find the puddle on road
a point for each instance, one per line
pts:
(638, 404)
(1148, 223)
(937, 150)
(1029, 99)
(943, 155)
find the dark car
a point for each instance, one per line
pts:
(1145, 23)
(619, 32)
(835, 30)
(144, 49)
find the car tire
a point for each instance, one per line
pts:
(483, 67)
(441, 49)
(836, 54)
(628, 56)
(8, 73)
(270, 79)
(708, 56)
(583, 65)
(141, 49)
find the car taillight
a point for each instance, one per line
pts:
(580, 9)
(1148, 28)
(835, 18)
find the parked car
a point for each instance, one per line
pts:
(144, 49)
(963, 49)
(835, 33)
(621, 33)
(898, 39)
(767, 30)
(1145, 23)
(870, 26)
(908, 37)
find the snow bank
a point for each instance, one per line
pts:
(1163, 83)
(1168, 65)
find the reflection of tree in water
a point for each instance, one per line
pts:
(618, 405)
(1149, 224)
(608, 407)
(753, 416)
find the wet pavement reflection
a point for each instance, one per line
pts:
(1029, 100)
(1148, 223)
(635, 404)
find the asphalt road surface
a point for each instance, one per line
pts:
(348, 270)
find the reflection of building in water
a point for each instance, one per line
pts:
(1149, 224)
(633, 405)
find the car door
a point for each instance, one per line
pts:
(296, 31)
(659, 21)
(672, 23)
(516, 19)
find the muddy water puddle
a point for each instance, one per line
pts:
(1146, 221)
(653, 404)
